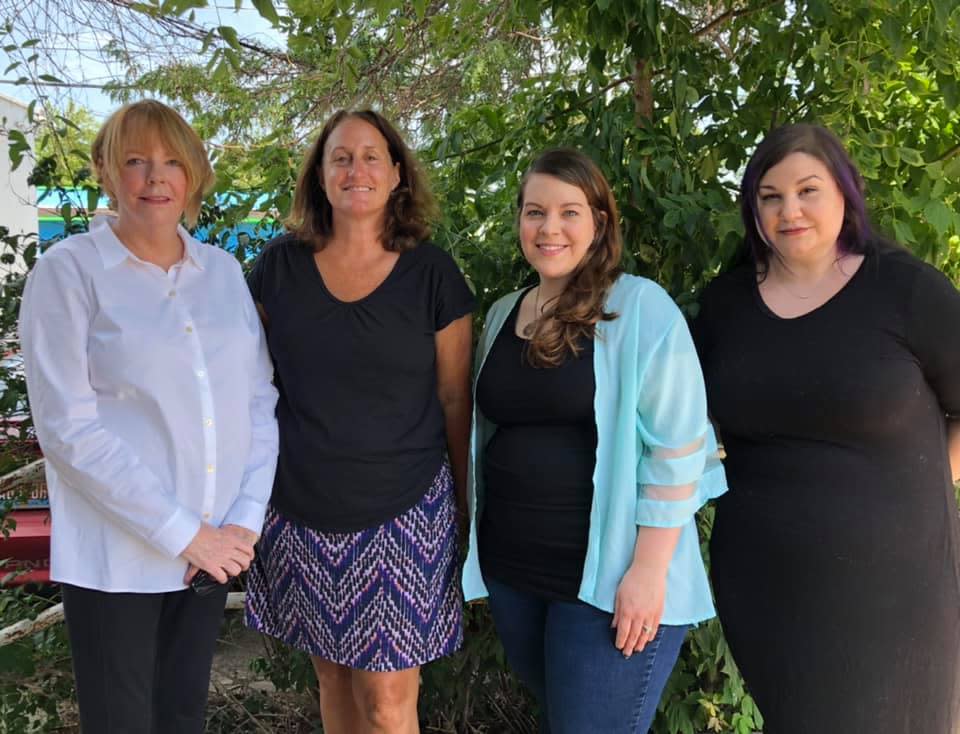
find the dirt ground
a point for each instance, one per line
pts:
(237, 646)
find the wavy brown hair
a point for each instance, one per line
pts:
(574, 314)
(410, 209)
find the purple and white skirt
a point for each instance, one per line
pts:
(382, 599)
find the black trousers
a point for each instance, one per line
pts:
(142, 661)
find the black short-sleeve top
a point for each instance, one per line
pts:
(361, 427)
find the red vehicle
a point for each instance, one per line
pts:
(25, 551)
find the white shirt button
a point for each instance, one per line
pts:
(208, 422)
(210, 468)
(201, 374)
(189, 329)
(206, 515)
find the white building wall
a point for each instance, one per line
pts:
(18, 200)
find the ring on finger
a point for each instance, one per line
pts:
(646, 629)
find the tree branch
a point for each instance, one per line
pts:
(731, 14)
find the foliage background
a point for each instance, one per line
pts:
(668, 97)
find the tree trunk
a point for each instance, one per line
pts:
(643, 92)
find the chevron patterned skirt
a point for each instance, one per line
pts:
(381, 599)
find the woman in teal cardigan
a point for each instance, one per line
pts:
(591, 453)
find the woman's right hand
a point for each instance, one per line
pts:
(219, 553)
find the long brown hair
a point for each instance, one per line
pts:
(575, 313)
(411, 207)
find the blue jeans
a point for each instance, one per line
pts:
(564, 652)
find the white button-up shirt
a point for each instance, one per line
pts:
(152, 399)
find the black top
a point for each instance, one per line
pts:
(538, 467)
(361, 428)
(836, 552)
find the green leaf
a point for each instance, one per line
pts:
(903, 232)
(50, 78)
(342, 26)
(912, 157)
(944, 9)
(892, 30)
(229, 35)
(233, 58)
(939, 216)
(950, 90)
(267, 11)
(207, 40)
(952, 169)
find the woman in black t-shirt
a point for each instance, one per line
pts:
(369, 328)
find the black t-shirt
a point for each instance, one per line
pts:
(538, 467)
(361, 427)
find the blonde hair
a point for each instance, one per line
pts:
(144, 121)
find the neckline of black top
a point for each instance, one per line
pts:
(836, 297)
(319, 276)
(514, 315)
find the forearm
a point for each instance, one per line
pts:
(655, 547)
(953, 447)
(453, 390)
(457, 413)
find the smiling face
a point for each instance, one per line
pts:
(800, 209)
(358, 173)
(557, 227)
(150, 187)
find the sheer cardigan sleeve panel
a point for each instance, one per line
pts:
(677, 469)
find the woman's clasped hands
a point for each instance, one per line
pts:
(222, 552)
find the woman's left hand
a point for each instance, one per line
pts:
(638, 607)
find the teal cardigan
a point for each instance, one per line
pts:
(649, 399)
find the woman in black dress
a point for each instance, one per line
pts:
(833, 373)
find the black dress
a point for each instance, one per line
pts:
(836, 553)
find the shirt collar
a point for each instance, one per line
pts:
(113, 251)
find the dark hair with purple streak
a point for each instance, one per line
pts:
(855, 234)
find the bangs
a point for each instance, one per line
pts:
(143, 127)
(140, 125)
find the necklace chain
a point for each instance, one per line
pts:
(537, 313)
(781, 282)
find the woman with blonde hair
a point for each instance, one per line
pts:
(150, 389)
(591, 452)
